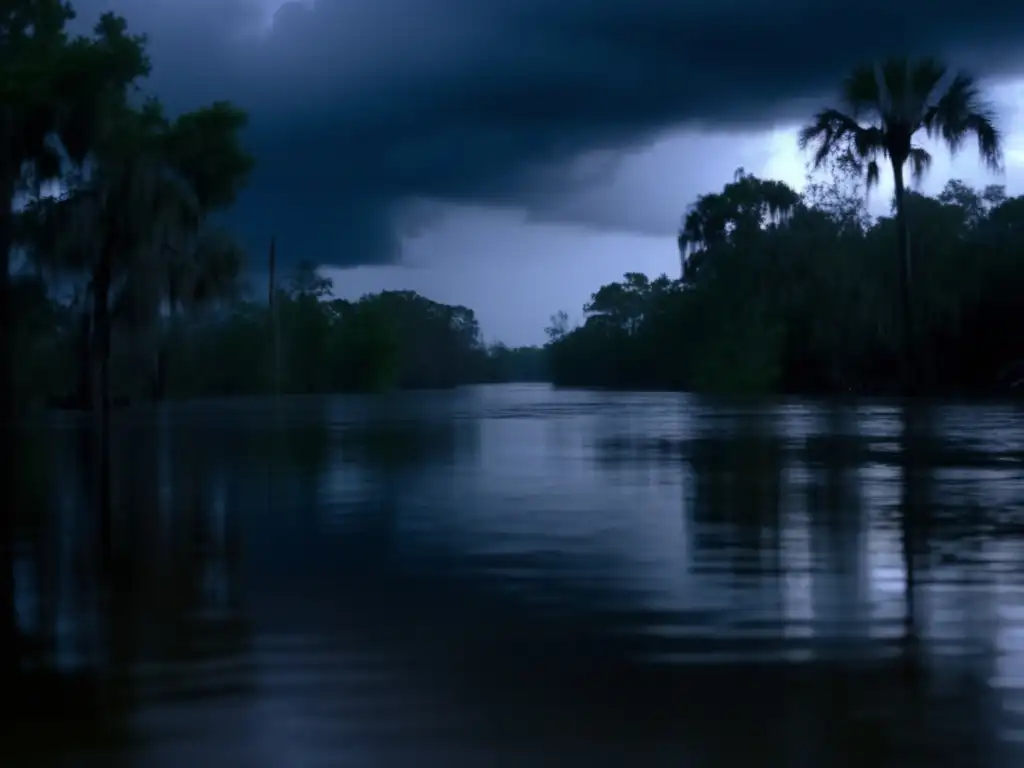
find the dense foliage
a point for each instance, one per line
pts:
(883, 107)
(118, 286)
(311, 343)
(314, 343)
(783, 292)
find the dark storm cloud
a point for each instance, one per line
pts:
(360, 106)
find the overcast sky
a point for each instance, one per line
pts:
(514, 155)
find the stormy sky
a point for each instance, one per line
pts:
(513, 155)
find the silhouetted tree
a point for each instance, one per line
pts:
(883, 106)
(802, 301)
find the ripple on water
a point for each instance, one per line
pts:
(515, 575)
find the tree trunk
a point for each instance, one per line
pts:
(10, 640)
(101, 407)
(84, 393)
(909, 371)
(910, 509)
(160, 372)
(159, 377)
(9, 637)
(165, 342)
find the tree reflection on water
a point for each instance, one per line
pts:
(842, 592)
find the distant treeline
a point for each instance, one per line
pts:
(783, 292)
(310, 343)
(780, 292)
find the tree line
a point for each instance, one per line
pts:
(302, 341)
(117, 284)
(792, 292)
(800, 294)
(119, 287)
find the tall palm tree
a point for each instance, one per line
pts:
(883, 106)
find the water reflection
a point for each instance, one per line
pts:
(512, 575)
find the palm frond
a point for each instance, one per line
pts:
(924, 76)
(961, 111)
(897, 97)
(989, 138)
(906, 88)
(920, 161)
(832, 133)
(861, 93)
(894, 87)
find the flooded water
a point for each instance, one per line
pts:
(518, 576)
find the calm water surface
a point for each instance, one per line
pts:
(519, 576)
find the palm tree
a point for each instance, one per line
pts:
(883, 107)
